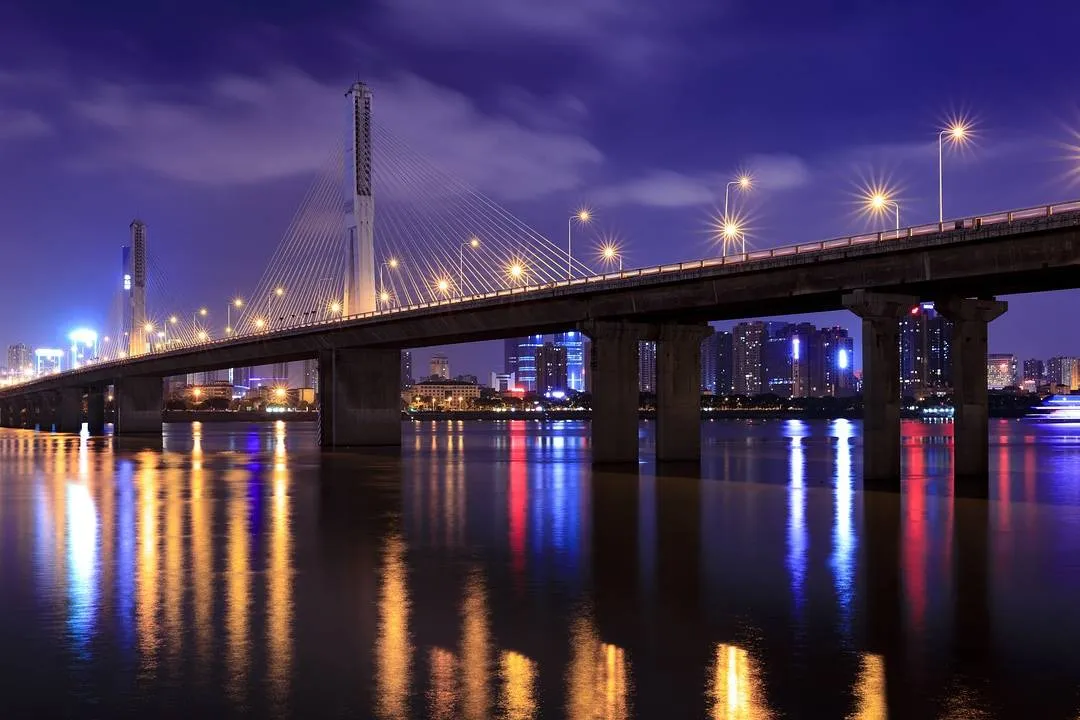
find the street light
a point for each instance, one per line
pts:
(582, 216)
(473, 243)
(260, 324)
(384, 297)
(515, 271)
(442, 285)
(236, 303)
(958, 133)
(195, 322)
(731, 231)
(335, 307)
(202, 336)
(148, 328)
(278, 291)
(879, 201)
(609, 253)
(743, 182)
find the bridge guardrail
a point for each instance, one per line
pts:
(968, 223)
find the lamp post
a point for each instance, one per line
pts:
(957, 133)
(879, 203)
(236, 303)
(582, 216)
(278, 292)
(195, 321)
(172, 321)
(609, 253)
(744, 182)
(148, 328)
(473, 243)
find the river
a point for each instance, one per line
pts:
(235, 570)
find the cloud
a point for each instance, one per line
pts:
(18, 124)
(778, 171)
(664, 189)
(254, 129)
(642, 37)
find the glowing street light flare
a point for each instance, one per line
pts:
(442, 285)
(393, 263)
(583, 215)
(335, 307)
(879, 201)
(260, 324)
(958, 132)
(202, 335)
(473, 243)
(279, 291)
(384, 297)
(238, 302)
(743, 182)
(173, 319)
(515, 271)
(609, 253)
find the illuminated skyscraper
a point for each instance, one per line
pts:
(406, 369)
(551, 368)
(1034, 370)
(647, 366)
(838, 359)
(1001, 371)
(748, 339)
(925, 351)
(20, 359)
(137, 338)
(439, 367)
(520, 358)
(709, 353)
(724, 362)
(574, 342)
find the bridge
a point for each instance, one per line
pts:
(355, 322)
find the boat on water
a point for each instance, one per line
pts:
(1058, 408)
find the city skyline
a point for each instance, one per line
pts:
(808, 167)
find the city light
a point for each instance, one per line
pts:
(795, 348)
(515, 272)
(393, 263)
(384, 297)
(474, 243)
(260, 324)
(238, 302)
(731, 233)
(878, 201)
(335, 307)
(83, 336)
(279, 291)
(743, 182)
(610, 254)
(842, 359)
(442, 285)
(202, 335)
(583, 215)
(149, 327)
(957, 132)
(173, 319)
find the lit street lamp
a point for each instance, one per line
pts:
(515, 272)
(236, 303)
(582, 216)
(879, 202)
(278, 292)
(957, 133)
(148, 328)
(195, 322)
(609, 253)
(744, 182)
(473, 243)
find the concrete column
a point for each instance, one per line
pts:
(614, 368)
(95, 411)
(360, 397)
(40, 412)
(881, 315)
(678, 392)
(971, 441)
(138, 406)
(67, 416)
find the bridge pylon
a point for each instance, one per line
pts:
(360, 287)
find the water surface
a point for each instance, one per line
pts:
(236, 570)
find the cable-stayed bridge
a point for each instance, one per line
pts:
(441, 263)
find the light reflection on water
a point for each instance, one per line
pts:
(489, 572)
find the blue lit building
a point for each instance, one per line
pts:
(519, 356)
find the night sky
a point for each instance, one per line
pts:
(208, 122)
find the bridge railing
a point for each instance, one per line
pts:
(968, 223)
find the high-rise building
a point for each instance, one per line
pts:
(1059, 371)
(748, 339)
(777, 360)
(551, 368)
(838, 378)
(724, 362)
(309, 373)
(806, 363)
(49, 360)
(1034, 370)
(280, 373)
(137, 337)
(20, 359)
(925, 350)
(574, 342)
(439, 367)
(647, 366)
(1001, 371)
(520, 359)
(709, 355)
(406, 369)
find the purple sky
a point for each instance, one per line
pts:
(208, 123)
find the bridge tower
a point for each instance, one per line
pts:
(360, 207)
(137, 340)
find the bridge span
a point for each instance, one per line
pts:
(961, 265)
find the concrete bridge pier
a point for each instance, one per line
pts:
(880, 315)
(67, 416)
(678, 392)
(614, 368)
(360, 397)
(971, 425)
(95, 411)
(138, 405)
